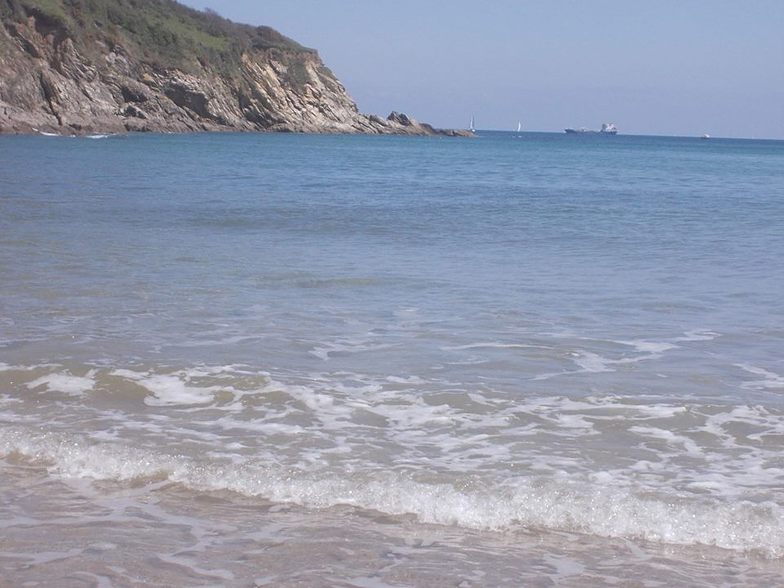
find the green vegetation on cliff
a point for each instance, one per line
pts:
(166, 34)
(114, 66)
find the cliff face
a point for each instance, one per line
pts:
(108, 66)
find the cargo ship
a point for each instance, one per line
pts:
(607, 129)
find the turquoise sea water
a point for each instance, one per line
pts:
(563, 350)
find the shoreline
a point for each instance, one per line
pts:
(94, 134)
(120, 532)
(395, 125)
(19, 121)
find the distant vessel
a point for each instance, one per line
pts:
(519, 126)
(705, 136)
(472, 127)
(607, 129)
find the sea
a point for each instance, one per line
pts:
(353, 361)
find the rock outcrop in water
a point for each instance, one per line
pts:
(109, 66)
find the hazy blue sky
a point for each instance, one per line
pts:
(651, 66)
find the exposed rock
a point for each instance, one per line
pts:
(131, 110)
(56, 78)
(133, 91)
(400, 119)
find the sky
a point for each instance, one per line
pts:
(660, 67)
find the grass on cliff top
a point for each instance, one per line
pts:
(162, 32)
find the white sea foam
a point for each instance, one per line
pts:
(4, 367)
(698, 335)
(770, 380)
(326, 350)
(592, 362)
(337, 425)
(651, 347)
(409, 380)
(671, 438)
(495, 345)
(169, 389)
(648, 350)
(548, 504)
(65, 382)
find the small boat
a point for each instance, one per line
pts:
(519, 126)
(705, 136)
(472, 127)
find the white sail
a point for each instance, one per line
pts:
(519, 126)
(472, 128)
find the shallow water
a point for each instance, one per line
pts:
(379, 361)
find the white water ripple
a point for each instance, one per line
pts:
(567, 505)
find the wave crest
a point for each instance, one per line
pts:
(545, 504)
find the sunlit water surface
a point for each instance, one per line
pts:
(359, 361)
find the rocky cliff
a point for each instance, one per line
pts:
(109, 66)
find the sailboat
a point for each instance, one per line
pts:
(519, 126)
(472, 127)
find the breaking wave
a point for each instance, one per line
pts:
(532, 503)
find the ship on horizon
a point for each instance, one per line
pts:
(607, 129)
